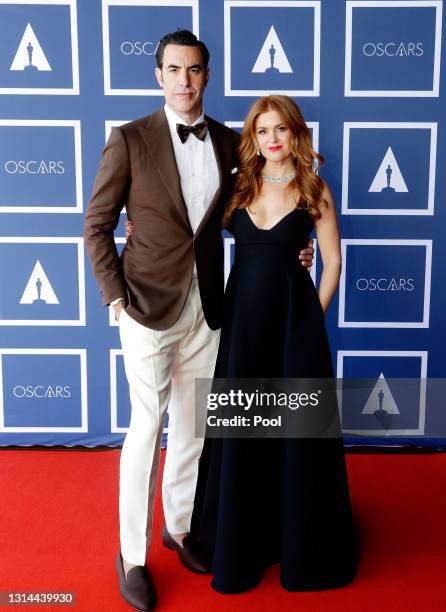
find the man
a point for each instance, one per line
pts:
(174, 171)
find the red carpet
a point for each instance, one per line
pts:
(59, 532)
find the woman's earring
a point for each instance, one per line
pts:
(258, 151)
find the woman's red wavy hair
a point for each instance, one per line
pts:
(306, 160)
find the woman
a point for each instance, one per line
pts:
(262, 501)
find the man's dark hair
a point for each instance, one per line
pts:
(181, 37)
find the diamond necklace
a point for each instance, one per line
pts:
(279, 179)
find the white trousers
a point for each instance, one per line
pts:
(161, 367)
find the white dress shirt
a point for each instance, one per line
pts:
(197, 167)
(198, 172)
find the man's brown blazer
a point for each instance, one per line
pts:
(138, 170)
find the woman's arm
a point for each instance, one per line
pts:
(327, 231)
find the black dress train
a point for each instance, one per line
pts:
(263, 501)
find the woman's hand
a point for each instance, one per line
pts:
(128, 229)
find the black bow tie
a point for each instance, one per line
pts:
(199, 130)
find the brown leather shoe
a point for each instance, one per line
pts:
(138, 589)
(191, 555)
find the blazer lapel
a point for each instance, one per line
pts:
(223, 152)
(157, 137)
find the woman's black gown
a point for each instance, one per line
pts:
(263, 501)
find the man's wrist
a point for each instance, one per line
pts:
(118, 300)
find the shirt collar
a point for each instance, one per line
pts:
(173, 118)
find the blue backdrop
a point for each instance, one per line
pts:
(366, 75)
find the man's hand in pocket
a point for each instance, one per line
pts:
(117, 308)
